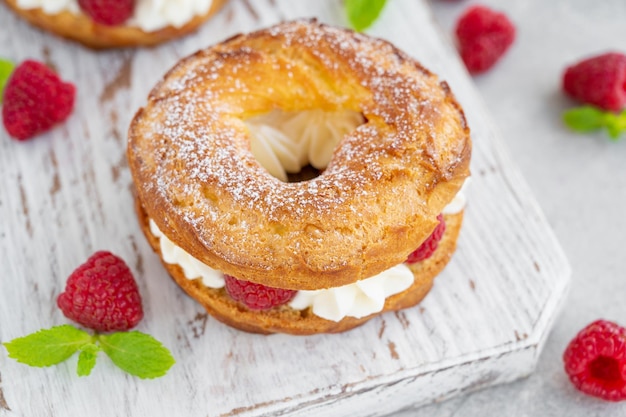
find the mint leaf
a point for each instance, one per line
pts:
(137, 353)
(87, 359)
(48, 347)
(616, 124)
(6, 69)
(362, 13)
(588, 118)
(585, 119)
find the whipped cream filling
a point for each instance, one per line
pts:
(359, 299)
(459, 201)
(149, 15)
(192, 268)
(284, 142)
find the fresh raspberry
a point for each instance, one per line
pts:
(35, 99)
(102, 294)
(429, 246)
(484, 36)
(256, 296)
(596, 360)
(600, 81)
(108, 12)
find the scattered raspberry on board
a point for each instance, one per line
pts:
(599, 80)
(484, 36)
(102, 294)
(35, 99)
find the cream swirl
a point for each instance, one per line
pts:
(149, 15)
(358, 300)
(192, 268)
(459, 201)
(284, 142)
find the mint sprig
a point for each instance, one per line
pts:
(362, 13)
(47, 347)
(137, 353)
(588, 118)
(87, 359)
(6, 69)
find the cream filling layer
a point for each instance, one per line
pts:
(459, 201)
(192, 268)
(355, 300)
(149, 15)
(359, 299)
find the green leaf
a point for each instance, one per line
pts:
(137, 353)
(614, 131)
(362, 13)
(588, 118)
(585, 119)
(616, 124)
(87, 359)
(6, 69)
(48, 347)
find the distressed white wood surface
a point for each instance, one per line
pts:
(67, 194)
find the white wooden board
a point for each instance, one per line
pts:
(67, 194)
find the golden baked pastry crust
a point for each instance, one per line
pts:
(82, 29)
(378, 199)
(284, 319)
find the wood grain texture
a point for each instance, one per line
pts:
(67, 194)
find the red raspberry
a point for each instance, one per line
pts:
(256, 296)
(596, 360)
(484, 36)
(102, 294)
(35, 99)
(108, 12)
(429, 246)
(600, 81)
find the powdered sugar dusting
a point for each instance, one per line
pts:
(197, 162)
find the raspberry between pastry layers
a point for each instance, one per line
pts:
(201, 180)
(151, 23)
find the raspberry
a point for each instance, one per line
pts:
(600, 80)
(595, 360)
(429, 246)
(256, 296)
(35, 99)
(102, 294)
(108, 12)
(484, 36)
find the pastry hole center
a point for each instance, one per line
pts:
(297, 146)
